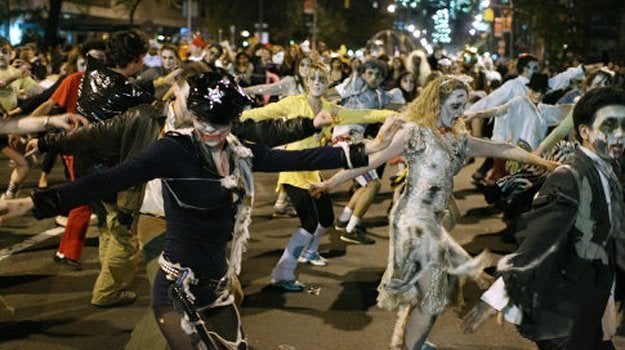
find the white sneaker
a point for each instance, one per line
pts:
(61, 220)
(316, 260)
(7, 195)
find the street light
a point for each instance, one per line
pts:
(391, 8)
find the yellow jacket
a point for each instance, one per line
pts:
(298, 106)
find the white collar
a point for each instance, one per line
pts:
(595, 158)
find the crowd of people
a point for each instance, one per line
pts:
(160, 143)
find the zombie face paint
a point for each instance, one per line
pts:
(317, 84)
(600, 80)
(81, 64)
(373, 77)
(213, 135)
(531, 68)
(452, 108)
(607, 133)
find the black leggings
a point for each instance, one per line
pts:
(310, 211)
(222, 320)
(48, 161)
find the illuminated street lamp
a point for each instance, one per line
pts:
(391, 8)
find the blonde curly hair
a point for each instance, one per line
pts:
(426, 108)
(317, 66)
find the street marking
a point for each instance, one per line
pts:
(5, 253)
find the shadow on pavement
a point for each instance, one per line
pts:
(16, 280)
(475, 215)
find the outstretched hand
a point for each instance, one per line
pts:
(170, 78)
(12, 208)
(319, 188)
(384, 137)
(322, 119)
(477, 316)
(551, 165)
(68, 121)
(469, 116)
(32, 147)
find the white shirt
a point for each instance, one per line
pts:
(153, 197)
(518, 87)
(527, 121)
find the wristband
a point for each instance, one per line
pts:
(357, 156)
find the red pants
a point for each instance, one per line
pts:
(73, 239)
(499, 170)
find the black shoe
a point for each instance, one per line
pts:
(358, 236)
(69, 263)
(340, 225)
(478, 180)
(125, 298)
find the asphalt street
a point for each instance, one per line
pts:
(46, 306)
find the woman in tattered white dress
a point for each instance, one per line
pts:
(424, 261)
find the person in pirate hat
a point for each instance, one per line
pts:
(208, 191)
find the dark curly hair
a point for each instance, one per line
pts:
(586, 108)
(125, 47)
(92, 44)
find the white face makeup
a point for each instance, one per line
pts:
(452, 108)
(81, 64)
(317, 84)
(373, 77)
(531, 68)
(168, 59)
(607, 133)
(213, 135)
(600, 80)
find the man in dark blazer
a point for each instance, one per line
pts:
(559, 287)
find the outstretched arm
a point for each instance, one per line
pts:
(162, 158)
(275, 132)
(28, 125)
(478, 147)
(274, 89)
(394, 149)
(273, 110)
(487, 113)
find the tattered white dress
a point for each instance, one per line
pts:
(423, 259)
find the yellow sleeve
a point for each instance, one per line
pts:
(27, 83)
(362, 116)
(270, 111)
